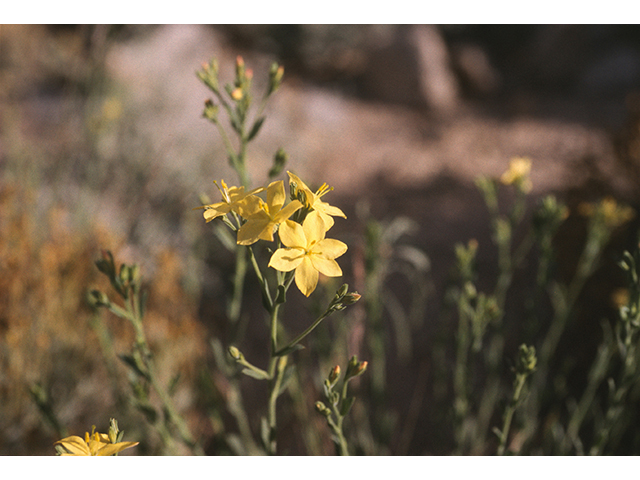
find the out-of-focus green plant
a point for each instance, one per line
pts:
(127, 283)
(481, 334)
(339, 402)
(387, 256)
(525, 366)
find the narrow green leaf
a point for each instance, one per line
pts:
(279, 162)
(286, 378)
(255, 129)
(255, 374)
(281, 295)
(288, 350)
(347, 403)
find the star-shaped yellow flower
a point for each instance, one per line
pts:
(313, 201)
(96, 444)
(233, 199)
(262, 222)
(308, 252)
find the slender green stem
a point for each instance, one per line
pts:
(299, 338)
(276, 367)
(511, 408)
(132, 314)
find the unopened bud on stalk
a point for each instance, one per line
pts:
(210, 110)
(105, 264)
(236, 354)
(276, 73)
(237, 94)
(334, 375)
(322, 409)
(362, 366)
(134, 274)
(527, 360)
(96, 299)
(342, 291)
(351, 298)
(113, 431)
(351, 367)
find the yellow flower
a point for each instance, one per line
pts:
(96, 444)
(313, 201)
(518, 174)
(264, 217)
(307, 252)
(233, 199)
(613, 213)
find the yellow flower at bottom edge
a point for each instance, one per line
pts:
(96, 444)
(307, 252)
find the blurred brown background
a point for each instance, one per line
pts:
(103, 145)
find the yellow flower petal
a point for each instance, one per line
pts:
(306, 277)
(275, 196)
(215, 210)
(286, 259)
(325, 208)
(326, 266)
(314, 228)
(75, 445)
(292, 234)
(330, 248)
(257, 228)
(287, 211)
(113, 448)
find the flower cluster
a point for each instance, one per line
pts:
(301, 224)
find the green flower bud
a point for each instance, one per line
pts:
(210, 110)
(236, 354)
(322, 409)
(526, 362)
(96, 299)
(351, 298)
(113, 431)
(334, 375)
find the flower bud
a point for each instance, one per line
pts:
(351, 298)
(275, 77)
(96, 299)
(113, 431)
(210, 110)
(526, 362)
(237, 94)
(334, 375)
(362, 366)
(105, 264)
(236, 354)
(322, 409)
(342, 291)
(351, 367)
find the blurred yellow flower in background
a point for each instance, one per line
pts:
(308, 252)
(614, 214)
(518, 174)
